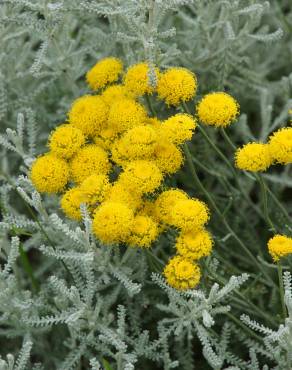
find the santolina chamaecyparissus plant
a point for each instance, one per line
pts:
(113, 156)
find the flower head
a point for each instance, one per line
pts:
(137, 79)
(120, 194)
(280, 145)
(181, 273)
(71, 202)
(106, 137)
(89, 114)
(194, 245)
(177, 85)
(165, 202)
(218, 109)
(112, 222)
(95, 187)
(91, 159)
(144, 231)
(114, 93)
(137, 143)
(154, 122)
(141, 177)
(279, 246)
(66, 140)
(126, 114)
(105, 71)
(49, 174)
(253, 157)
(178, 128)
(190, 215)
(168, 157)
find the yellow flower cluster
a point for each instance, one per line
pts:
(279, 246)
(109, 135)
(259, 157)
(173, 208)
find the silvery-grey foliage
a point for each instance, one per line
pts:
(86, 305)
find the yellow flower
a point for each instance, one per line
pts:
(178, 128)
(154, 122)
(177, 85)
(66, 140)
(71, 202)
(91, 159)
(190, 215)
(126, 114)
(114, 93)
(253, 157)
(89, 114)
(141, 177)
(279, 246)
(49, 174)
(137, 143)
(147, 208)
(144, 231)
(194, 245)
(106, 137)
(218, 109)
(95, 187)
(165, 202)
(105, 71)
(118, 193)
(181, 273)
(137, 79)
(167, 157)
(113, 222)
(280, 145)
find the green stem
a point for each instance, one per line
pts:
(227, 139)
(226, 160)
(265, 202)
(45, 235)
(150, 106)
(28, 268)
(221, 216)
(275, 199)
(281, 288)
